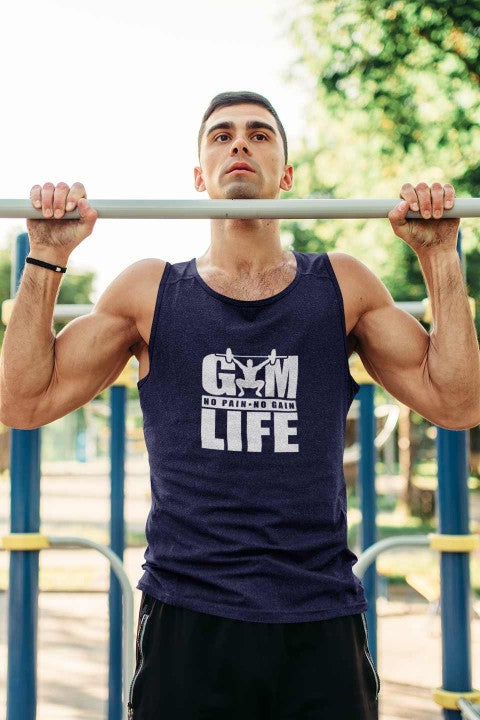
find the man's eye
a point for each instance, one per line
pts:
(224, 135)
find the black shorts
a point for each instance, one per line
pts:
(195, 666)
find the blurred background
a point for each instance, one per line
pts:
(372, 94)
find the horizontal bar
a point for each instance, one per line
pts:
(65, 312)
(369, 555)
(414, 307)
(469, 711)
(277, 209)
(69, 312)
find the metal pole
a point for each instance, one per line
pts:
(368, 503)
(469, 711)
(23, 573)
(67, 312)
(116, 564)
(372, 552)
(274, 208)
(453, 514)
(118, 396)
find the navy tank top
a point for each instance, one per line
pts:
(244, 409)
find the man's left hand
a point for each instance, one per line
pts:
(430, 233)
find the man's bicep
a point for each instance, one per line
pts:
(392, 344)
(393, 347)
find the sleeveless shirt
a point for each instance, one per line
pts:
(244, 410)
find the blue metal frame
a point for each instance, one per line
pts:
(453, 515)
(368, 502)
(118, 397)
(23, 573)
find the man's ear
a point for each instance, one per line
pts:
(198, 179)
(286, 182)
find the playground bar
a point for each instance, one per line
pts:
(469, 712)
(312, 208)
(69, 312)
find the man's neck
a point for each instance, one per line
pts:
(245, 247)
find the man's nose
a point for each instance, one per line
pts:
(240, 144)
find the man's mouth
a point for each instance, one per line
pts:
(240, 167)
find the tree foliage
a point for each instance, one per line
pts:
(395, 90)
(403, 61)
(395, 98)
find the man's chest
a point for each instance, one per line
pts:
(257, 289)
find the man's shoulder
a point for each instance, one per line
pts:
(132, 289)
(361, 288)
(351, 267)
(148, 265)
(342, 257)
(145, 277)
(145, 272)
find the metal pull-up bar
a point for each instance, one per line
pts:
(277, 209)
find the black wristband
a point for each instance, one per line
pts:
(42, 263)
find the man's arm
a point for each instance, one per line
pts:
(437, 375)
(43, 377)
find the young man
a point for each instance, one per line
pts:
(249, 606)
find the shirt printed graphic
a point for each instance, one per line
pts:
(258, 395)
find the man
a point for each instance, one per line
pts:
(250, 608)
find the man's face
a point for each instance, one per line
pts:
(229, 138)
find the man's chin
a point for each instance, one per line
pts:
(241, 193)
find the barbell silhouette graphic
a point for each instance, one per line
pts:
(229, 355)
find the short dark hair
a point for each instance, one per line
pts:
(236, 98)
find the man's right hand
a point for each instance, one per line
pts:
(54, 240)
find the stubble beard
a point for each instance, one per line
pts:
(241, 191)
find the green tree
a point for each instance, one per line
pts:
(395, 90)
(395, 93)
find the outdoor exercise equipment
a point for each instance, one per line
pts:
(280, 209)
(352, 453)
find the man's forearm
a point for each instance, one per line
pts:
(28, 351)
(453, 354)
